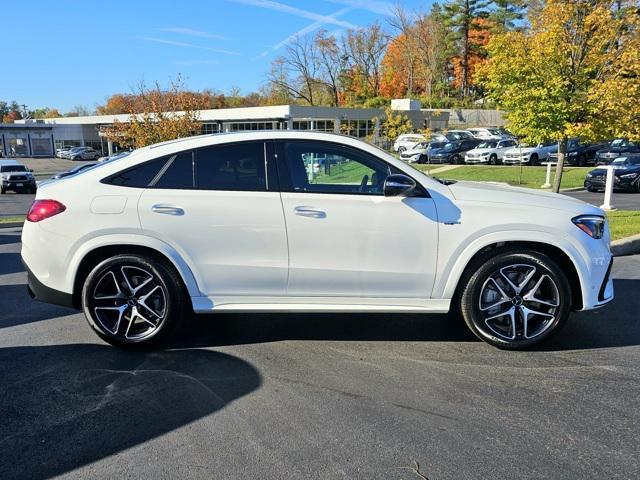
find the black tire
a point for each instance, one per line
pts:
(2, 191)
(506, 330)
(96, 157)
(493, 159)
(76, 158)
(401, 149)
(164, 293)
(422, 159)
(533, 160)
(456, 159)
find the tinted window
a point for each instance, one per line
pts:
(319, 167)
(178, 173)
(139, 176)
(13, 168)
(238, 166)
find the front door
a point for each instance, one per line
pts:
(346, 238)
(219, 208)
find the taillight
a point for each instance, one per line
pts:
(42, 209)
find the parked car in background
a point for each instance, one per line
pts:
(196, 226)
(420, 153)
(453, 152)
(523, 154)
(619, 147)
(578, 153)
(82, 153)
(454, 135)
(62, 151)
(16, 177)
(407, 141)
(485, 133)
(115, 156)
(626, 175)
(490, 152)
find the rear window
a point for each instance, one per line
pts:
(239, 166)
(139, 176)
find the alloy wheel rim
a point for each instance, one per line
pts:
(518, 302)
(129, 303)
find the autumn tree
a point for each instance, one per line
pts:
(332, 62)
(156, 115)
(479, 35)
(575, 73)
(394, 124)
(460, 17)
(365, 49)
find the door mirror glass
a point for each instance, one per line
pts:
(398, 185)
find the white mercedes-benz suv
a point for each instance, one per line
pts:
(301, 221)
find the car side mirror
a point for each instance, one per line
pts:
(398, 185)
(31, 170)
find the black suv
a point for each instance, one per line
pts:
(578, 153)
(453, 152)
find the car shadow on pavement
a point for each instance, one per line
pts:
(615, 325)
(22, 309)
(66, 406)
(9, 238)
(244, 328)
(10, 263)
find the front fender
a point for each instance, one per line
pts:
(450, 274)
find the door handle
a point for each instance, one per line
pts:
(310, 212)
(167, 209)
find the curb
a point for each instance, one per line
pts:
(626, 246)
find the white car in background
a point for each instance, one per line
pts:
(490, 152)
(485, 133)
(408, 141)
(420, 153)
(235, 223)
(529, 155)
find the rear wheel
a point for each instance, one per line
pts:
(516, 299)
(132, 301)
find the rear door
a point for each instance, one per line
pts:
(220, 208)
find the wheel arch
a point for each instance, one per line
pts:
(564, 260)
(93, 255)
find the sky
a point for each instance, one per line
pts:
(63, 53)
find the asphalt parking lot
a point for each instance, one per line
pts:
(277, 396)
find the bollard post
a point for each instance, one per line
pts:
(547, 182)
(608, 190)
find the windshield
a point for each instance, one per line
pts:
(13, 168)
(450, 146)
(487, 145)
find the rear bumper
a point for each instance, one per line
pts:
(39, 291)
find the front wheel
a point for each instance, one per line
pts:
(131, 300)
(516, 299)
(456, 159)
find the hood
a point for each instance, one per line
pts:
(617, 170)
(616, 150)
(442, 151)
(481, 150)
(505, 194)
(518, 150)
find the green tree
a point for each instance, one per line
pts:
(575, 73)
(460, 16)
(506, 13)
(394, 124)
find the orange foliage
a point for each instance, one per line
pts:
(395, 69)
(478, 38)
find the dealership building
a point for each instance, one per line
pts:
(42, 137)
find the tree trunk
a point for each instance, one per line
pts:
(562, 151)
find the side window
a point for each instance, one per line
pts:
(235, 166)
(319, 167)
(178, 173)
(139, 176)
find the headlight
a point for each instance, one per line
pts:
(573, 154)
(589, 175)
(592, 225)
(629, 175)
